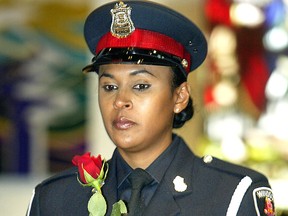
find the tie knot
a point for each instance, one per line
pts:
(139, 178)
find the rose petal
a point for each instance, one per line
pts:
(91, 168)
(91, 164)
(97, 161)
(78, 159)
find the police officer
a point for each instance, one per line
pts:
(143, 55)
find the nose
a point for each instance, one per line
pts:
(123, 101)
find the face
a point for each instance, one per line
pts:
(137, 105)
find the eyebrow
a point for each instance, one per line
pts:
(133, 73)
(104, 74)
(141, 72)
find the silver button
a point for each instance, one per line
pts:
(208, 159)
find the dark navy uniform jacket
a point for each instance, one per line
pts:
(205, 186)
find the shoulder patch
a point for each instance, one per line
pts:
(264, 201)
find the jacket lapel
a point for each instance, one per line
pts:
(163, 202)
(165, 199)
(109, 189)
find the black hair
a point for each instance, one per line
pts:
(187, 113)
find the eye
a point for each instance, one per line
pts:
(141, 87)
(109, 88)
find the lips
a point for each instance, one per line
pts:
(123, 123)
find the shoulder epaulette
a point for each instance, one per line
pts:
(230, 168)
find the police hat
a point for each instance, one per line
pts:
(143, 32)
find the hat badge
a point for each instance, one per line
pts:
(122, 25)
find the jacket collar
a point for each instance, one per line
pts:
(166, 192)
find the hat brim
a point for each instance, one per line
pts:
(135, 56)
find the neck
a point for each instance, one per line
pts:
(144, 158)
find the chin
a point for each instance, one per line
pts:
(124, 142)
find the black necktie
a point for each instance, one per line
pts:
(138, 178)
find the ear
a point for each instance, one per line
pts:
(182, 94)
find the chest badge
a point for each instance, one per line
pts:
(122, 25)
(179, 184)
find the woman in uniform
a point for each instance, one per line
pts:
(143, 53)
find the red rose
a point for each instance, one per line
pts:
(92, 173)
(90, 164)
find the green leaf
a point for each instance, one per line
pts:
(106, 167)
(96, 183)
(97, 205)
(104, 170)
(119, 208)
(88, 177)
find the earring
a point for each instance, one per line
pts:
(177, 110)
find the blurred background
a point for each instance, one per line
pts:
(49, 110)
